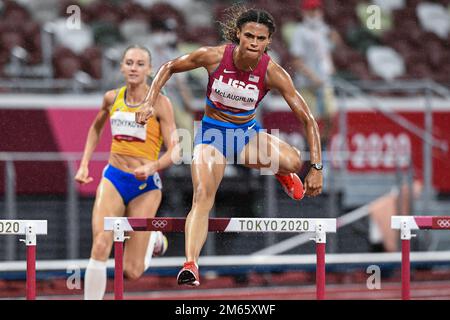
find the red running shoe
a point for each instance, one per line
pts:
(292, 185)
(189, 274)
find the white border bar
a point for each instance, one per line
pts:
(279, 225)
(109, 223)
(291, 225)
(12, 227)
(243, 260)
(410, 222)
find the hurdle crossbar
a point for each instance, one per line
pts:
(29, 228)
(405, 224)
(318, 226)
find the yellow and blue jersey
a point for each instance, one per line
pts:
(129, 137)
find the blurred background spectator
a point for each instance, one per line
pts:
(164, 47)
(311, 46)
(35, 41)
(319, 41)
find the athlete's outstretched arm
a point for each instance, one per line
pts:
(93, 137)
(202, 57)
(278, 78)
(164, 112)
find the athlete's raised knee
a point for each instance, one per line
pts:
(292, 162)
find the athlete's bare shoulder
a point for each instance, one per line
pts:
(218, 50)
(273, 67)
(276, 75)
(162, 101)
(109, 97)
(162, 106)
(210, 55)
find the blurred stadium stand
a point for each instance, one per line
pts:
(419, 41)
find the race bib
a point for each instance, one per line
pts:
(124, 127)
(235, 94)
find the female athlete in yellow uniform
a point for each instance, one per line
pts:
(130, 185)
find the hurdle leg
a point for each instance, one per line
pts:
(119, 238)
(406, 269)
(320, 271)
(118, 270)
(320, 240)
(31, 272)
(405, 234)
(30, 242)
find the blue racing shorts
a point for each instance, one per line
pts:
(229, 138)
(128, 186)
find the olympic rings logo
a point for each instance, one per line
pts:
(159, 224)
(443, 223)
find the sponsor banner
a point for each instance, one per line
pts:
(374, 143)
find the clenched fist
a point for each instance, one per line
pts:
(146, 170)
(313, 183)
(82, 176)
(143, 114)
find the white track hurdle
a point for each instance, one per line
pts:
(29, 228)
(293, 225)
(405, 224)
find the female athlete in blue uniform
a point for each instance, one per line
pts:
(240, 74)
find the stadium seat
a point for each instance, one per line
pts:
(163, 12)
(76, 39)
(66, 63)
(134, 11)
(102, 11)
(14, 14)
(109, 23)
(390, 5)
(91, 62)
(10, 39)
(385, 62)
(105, 34)
(133, 29)
(359, 71)
(42, 10)
(419, 71)
(435, 18)
(207, 36)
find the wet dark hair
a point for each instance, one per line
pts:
(137, 46)
(238, 15)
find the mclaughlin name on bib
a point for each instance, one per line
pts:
(233, 96)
